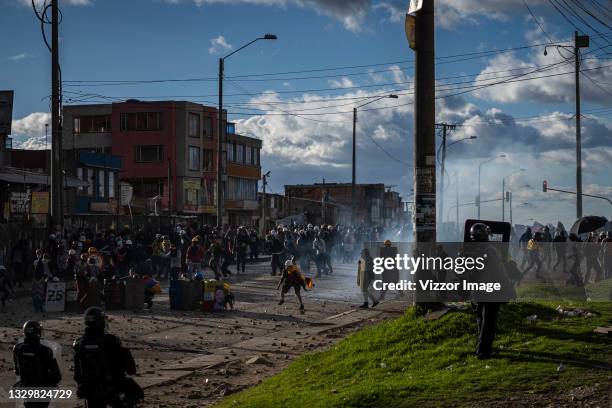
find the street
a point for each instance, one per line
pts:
(192, 359)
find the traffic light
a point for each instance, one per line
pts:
(544, 186)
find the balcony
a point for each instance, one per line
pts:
(106, 161)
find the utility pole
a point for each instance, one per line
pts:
(424, 129)
(354, 177)
(510, 203)
(263, 204)
(445, 127)
(457, 204)
(57, 190)
(221, 132)
(580, 41)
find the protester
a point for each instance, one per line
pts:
(365, 278)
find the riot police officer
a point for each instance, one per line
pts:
(101, 364)
(34, 362)
(487, 306)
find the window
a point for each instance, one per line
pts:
(239, 153)
(231, 129)
(141, 121)
(111, 184)
(240, 189)
(194, 125)
(208, 131)
(80, 175)
(207, 160)
(231, 147)
(191, 197)
(101, 183)
(148, 154)
(91, 179)
(209, 192)
(194, 158)
(249, 155)
(92, 124)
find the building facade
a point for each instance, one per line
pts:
(168, 155)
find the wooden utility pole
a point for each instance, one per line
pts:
(424, 126)
(57, 189)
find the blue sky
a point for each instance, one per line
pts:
(154, 39)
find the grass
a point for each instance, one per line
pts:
(596, 292)
(411, 362)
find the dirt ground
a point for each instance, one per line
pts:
(192, 359)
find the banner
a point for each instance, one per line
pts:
(56, 297)
(40, 202)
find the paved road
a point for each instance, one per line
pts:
(195, 357)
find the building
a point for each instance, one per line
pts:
(281, 209)
(369, 198)
(243, 171)
(167, 151)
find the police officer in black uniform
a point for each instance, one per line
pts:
(486, 306)
(101, 364)
(34, 363)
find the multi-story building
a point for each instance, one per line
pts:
(371, 201)
(168, 155)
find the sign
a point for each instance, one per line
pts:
(415, 5)
(192, 185)
(56, 297)
(20, 203)
(6, 112)
(410, 26)
(40, 202)
(127, 193)
(99, 207)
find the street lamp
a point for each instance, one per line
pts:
(510, 198)
(479, 170)
(354, 177)
(222, 131)
(504, 192)
(443, 146)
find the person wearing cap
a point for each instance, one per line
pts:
(291, 277)
(102, 366)
(35, 364)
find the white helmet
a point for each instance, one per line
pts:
(288, 263)
(309, 226)
(128, 242)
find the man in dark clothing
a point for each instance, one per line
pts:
(241, 243)
(486, 306)
(6, 287)
(275, 248)
(34, 363)
(101, 364)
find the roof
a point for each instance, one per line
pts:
(14, 175)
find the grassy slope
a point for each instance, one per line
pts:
(411, 362)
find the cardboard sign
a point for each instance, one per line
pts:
(55, 297)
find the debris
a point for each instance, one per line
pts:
(259, 360)
(532, 318)
(561, 368)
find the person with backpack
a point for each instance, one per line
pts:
(102, 366)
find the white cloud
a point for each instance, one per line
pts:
(31, 125)
(219, 44)
(18, 57)
(341, 83)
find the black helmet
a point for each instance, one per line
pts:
(94, 318)
(32, 330)
(480, 232)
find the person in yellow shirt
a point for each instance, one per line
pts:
(534, 253)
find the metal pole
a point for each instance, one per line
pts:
(354, 177)
(441, 209)
(57, 208)
(503, 199)
(424, 133)
(578, 131)
(478, 202)
(220, 149)
(263, 204)
(510, 208)
(457, 203)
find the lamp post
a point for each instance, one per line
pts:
(354, 176)
(479, 171)
(504, 192)
(510, 196)
(220, 197)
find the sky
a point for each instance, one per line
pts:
(297, 93)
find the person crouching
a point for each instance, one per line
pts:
(291, 277)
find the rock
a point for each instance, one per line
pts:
(259, 360)
(194, 395)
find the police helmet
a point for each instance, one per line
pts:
(94, 318)
(32, 329)
(480, 232)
